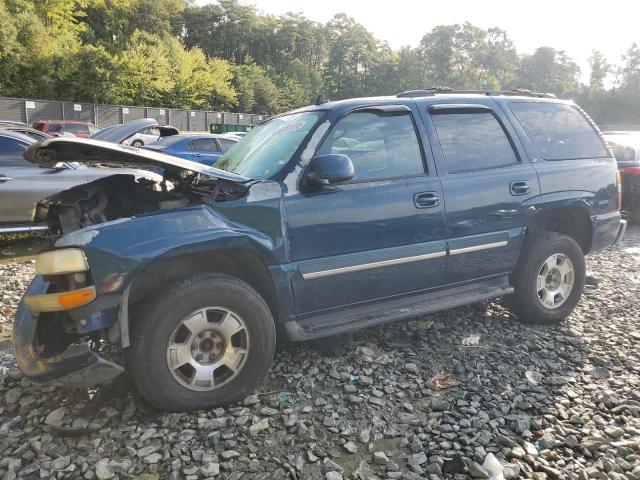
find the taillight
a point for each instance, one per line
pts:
(631, 171)
(619, 187)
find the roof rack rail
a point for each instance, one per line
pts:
(436, 90)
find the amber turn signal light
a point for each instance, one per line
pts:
(55, 302)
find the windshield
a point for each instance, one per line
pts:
(267, 148)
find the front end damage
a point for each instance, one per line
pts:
(52, 345)
(75, 310)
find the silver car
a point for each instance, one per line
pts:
(22, 184)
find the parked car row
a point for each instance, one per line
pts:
(22, 184)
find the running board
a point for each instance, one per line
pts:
(354, 318)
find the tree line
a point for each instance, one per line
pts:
(228, 56)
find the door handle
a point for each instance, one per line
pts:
(5, 179)
(197, 155)
(426, 199)
(519, 187)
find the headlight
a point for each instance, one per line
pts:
(60, 262)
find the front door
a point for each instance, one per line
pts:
(379, 235)
(488, 188)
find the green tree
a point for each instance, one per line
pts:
(144, 71)
(467, 57)
(631, 70)
(549, 70)
(256, 92)
(600, 68)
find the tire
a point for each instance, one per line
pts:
(166, 333)
(137, 143)
(528, 301)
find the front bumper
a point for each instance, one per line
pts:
(78, 365)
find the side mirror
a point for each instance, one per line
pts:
(330, 168)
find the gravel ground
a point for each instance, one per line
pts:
(435, 397)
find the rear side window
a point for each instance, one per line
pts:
(473, 141)
(558, 131)
(380, 146)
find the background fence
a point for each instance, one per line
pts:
(29, 111)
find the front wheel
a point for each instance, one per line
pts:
(548, 278)
(207, 341)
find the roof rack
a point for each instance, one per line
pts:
(435, 90)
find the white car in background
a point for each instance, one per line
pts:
(150, 135)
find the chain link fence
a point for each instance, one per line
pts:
(28, 111)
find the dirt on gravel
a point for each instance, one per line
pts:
(433, 397)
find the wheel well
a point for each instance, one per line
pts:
(243, 264)
(571, 221)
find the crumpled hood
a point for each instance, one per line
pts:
(74, 149)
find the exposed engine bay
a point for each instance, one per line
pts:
(124, 195)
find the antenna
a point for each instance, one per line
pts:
(320, 99)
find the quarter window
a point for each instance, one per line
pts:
(558, 131)
(473, 141)
(380, 145)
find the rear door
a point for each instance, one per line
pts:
(488, 185)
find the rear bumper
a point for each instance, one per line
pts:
(78, 365)
(607, 230)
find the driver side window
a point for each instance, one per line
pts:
(380, 145)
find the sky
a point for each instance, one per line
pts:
(575, 26)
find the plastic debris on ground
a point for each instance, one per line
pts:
(442, 381)
(471, 341)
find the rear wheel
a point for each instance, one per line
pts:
(206, 341)
(548, 279)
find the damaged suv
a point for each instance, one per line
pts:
(320, 221)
